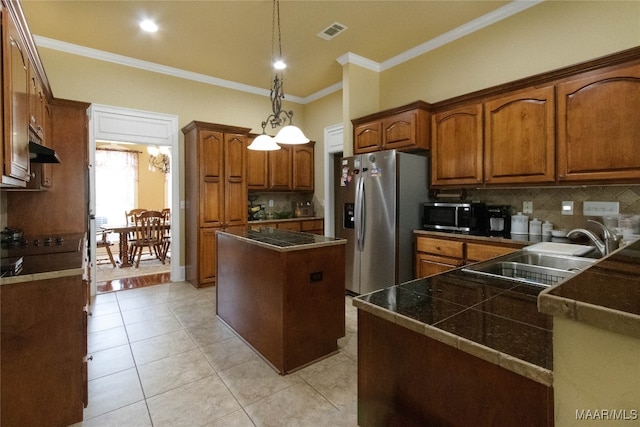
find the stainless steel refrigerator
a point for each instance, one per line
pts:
(377, 204)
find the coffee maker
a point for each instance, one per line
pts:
(498, 219)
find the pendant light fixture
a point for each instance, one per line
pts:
(289, 134)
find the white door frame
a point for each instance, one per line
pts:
(333, 143)
(107, 123)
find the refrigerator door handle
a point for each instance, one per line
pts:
(360, 213)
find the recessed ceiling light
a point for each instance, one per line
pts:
(149, 26)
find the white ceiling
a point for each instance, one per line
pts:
(231, 40)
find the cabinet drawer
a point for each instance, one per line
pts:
(316, 224)
(479, 252)
(295, 226)
(440, 247)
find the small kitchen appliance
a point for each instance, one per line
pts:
(498, 219)
(466, 217)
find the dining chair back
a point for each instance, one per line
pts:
(166, 235)
(103, 242)
(130, 219)
(149, 226)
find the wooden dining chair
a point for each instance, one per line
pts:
(166, 235)
(149, 227)
(103, 242)
(130, 219)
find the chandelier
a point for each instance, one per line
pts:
(159, 159)
(289, 134)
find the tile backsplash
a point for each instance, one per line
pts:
(547, 202)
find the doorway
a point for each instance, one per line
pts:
(148, 129)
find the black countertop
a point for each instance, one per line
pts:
(281, 239)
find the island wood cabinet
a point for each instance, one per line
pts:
(436, 255)
(43, 352)
(289, 169)
(216, 193)
(599, 125)
(457, 146)
(404, 128)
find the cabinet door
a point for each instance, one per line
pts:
(257, 169)
(599, 126)
(429, 265)
(280, 169)
(207, 256)
(235, 166)
(303, 178)
(211, 149)
(289, 225)
(456, 146)
(520, 137)
(399, 131)
(367, 137)
(16, 109)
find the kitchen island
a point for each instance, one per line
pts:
(282, 292)
(454, 349)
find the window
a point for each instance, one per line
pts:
(116, 184)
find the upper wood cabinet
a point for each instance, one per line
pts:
(281, 169)
(15, 78)
(599, 126)
(457, 146)
(302, 167)
(520, 137)
(404, 128)
(287, 169)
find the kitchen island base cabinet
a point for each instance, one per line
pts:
(288, 305)
(408, 379)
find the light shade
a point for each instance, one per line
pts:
(263, 143)
(290, 135)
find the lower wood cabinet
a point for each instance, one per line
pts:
(429, 383)
(436, 255)
(43, 350)
(314, 225)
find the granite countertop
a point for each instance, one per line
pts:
(281, 240)
(493, 319)
(606, 295)
(49, 266)
(513, 239)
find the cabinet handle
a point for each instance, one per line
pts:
(90, 357)
(438, 248)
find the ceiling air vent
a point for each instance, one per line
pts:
(331, 31)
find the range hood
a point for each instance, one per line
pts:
(39, 153)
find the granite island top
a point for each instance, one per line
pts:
(281, 240)
(493, 319)
(606, 295)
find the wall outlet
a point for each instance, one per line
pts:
(567, 208)
(600, 208)
(527, 207)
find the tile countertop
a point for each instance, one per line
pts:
(606, 295)
(493, 319)
(281, 240)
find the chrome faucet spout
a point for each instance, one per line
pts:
(595, 239)
(610, 240)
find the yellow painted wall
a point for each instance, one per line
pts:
(545, 37)
(594, 370)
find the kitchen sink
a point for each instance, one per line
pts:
(532, 267)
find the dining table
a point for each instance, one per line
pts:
(124, 230)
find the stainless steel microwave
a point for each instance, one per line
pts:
(456, 216)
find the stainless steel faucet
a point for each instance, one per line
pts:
(609, 243)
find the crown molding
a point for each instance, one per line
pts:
(497, 15)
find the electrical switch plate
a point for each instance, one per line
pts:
(600, 208)
(527, 207)
(567, 208)
(270, 203)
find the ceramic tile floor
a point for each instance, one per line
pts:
(162, 358)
